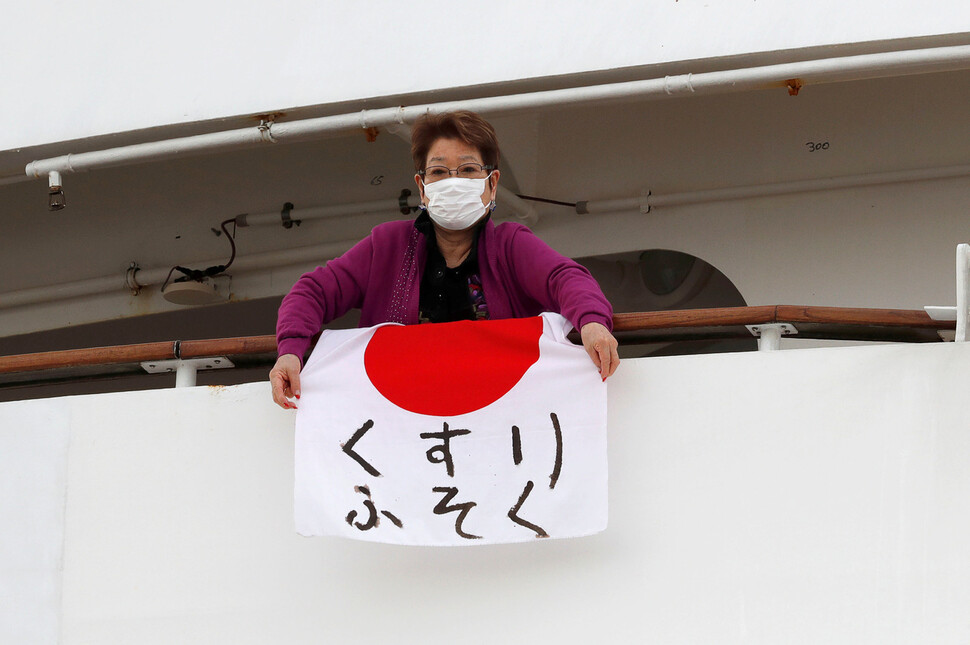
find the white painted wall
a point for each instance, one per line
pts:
(73, 70)
(34, 443)
(799, 497)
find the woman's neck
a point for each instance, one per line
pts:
(454, 245)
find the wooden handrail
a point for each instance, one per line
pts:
(89, 356)
(622, 322)
(721, 317)
(913, 318)
(727, 316)
(227, 346)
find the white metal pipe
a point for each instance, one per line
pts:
(15, 179)
(155, 276)
(963, 297)
(810, 185)
(613, 205)
(828, 70)
(323, 212)
(63, 291)
(185, 374)
(517, 206)
(645, 203)
(155, 150)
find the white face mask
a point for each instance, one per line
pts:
(455, 203)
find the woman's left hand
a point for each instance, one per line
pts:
(601, 347)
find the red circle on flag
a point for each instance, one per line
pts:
(447, 369)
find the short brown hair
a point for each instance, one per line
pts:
(462, 125)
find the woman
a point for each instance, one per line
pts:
(451, 263)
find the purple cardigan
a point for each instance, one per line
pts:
(381, 275)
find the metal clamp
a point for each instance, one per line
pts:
(645, 202)
(402, 202)
(265, 131)
(130, 281)
(288, 221)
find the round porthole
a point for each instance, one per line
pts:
(663, 272)
(665, 280)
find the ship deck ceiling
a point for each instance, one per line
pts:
(161, 213)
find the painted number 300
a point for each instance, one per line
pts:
(814, 146)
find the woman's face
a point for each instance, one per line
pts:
(451, 153)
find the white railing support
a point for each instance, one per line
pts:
(963, 297)
(769, 335)
(185, 374)
(187, 369)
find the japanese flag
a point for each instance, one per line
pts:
(451, 434)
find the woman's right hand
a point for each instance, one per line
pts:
(285, 379)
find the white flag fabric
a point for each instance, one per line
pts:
(475, 432)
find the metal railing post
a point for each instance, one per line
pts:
(769, 335)
(185, 374)
(963, 297)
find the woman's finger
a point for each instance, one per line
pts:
(285, 381)
(601, 347)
